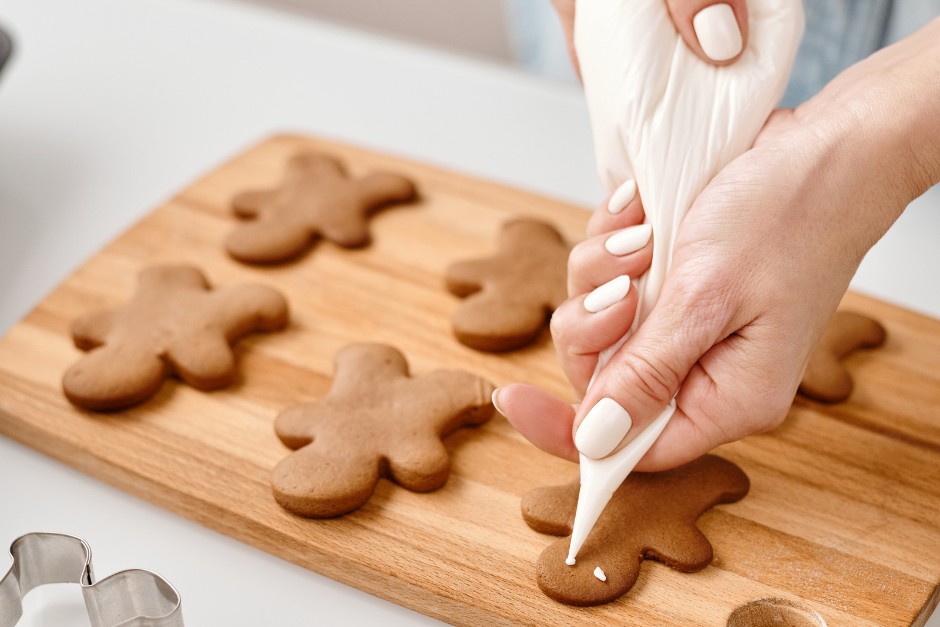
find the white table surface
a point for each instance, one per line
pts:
(109, 107)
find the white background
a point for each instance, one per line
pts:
(111, 106)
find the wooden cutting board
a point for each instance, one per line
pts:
(843, 515)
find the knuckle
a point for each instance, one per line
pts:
(648, 376)
(559, 325)
(578, 260)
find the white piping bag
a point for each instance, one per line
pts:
(670, 121)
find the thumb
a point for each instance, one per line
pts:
(645, 373)
(716, 31)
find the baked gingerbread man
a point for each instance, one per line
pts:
(317, 198)
(826, 378)
(650, 516)
(175, 323)
(510, 296)
(375, 421)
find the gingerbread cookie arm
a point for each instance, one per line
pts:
(446, 400)
(323, 484)
(90, 330)
(383, 188)
(458, 398)
(467, 277)
(114, 377)
(249, 204)
(551, 509)
(296, 426)
(242, 309)
(489, 321)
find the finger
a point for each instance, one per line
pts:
(715, 31)
(622, 208)
(647, 371)
(585, 325)
(542, 419)
(599, 259)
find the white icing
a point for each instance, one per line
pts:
(599, 573)
(570, 561)
(669, 121)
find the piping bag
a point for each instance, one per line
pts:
(670, 121)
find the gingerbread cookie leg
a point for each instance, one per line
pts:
(203, 360)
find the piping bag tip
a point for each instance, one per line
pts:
(600, 478)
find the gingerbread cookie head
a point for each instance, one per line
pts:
(375, 421)
(175, 323)
(317, 199)
(512, 294)
(825, 378)
(651, 516)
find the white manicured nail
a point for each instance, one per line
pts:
(602, 429)
(495, 403)
(622, 196)
(607, 294)
(717, 31)
(629, 240)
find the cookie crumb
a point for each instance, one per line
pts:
(600, 574)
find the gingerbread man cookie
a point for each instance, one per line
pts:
(512, 294)
(375, 421)
(175, 323)
(825, 378)
(317, 199)
(651, 516)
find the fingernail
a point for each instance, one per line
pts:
(629, 240)
(717, 31)
(622, 196)
(602, 429)
(495, 402)
(607, 294)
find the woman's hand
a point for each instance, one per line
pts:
(760, 263)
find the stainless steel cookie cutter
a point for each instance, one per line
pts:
(130, 598)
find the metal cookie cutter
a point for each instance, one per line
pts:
(130, 598)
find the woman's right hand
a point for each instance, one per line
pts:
(759, 265)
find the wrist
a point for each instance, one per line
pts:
(883, 116)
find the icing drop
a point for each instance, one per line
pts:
(569, 561)
(599, 573)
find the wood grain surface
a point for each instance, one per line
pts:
(843, 516)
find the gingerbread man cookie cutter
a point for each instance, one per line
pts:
(129, 598)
